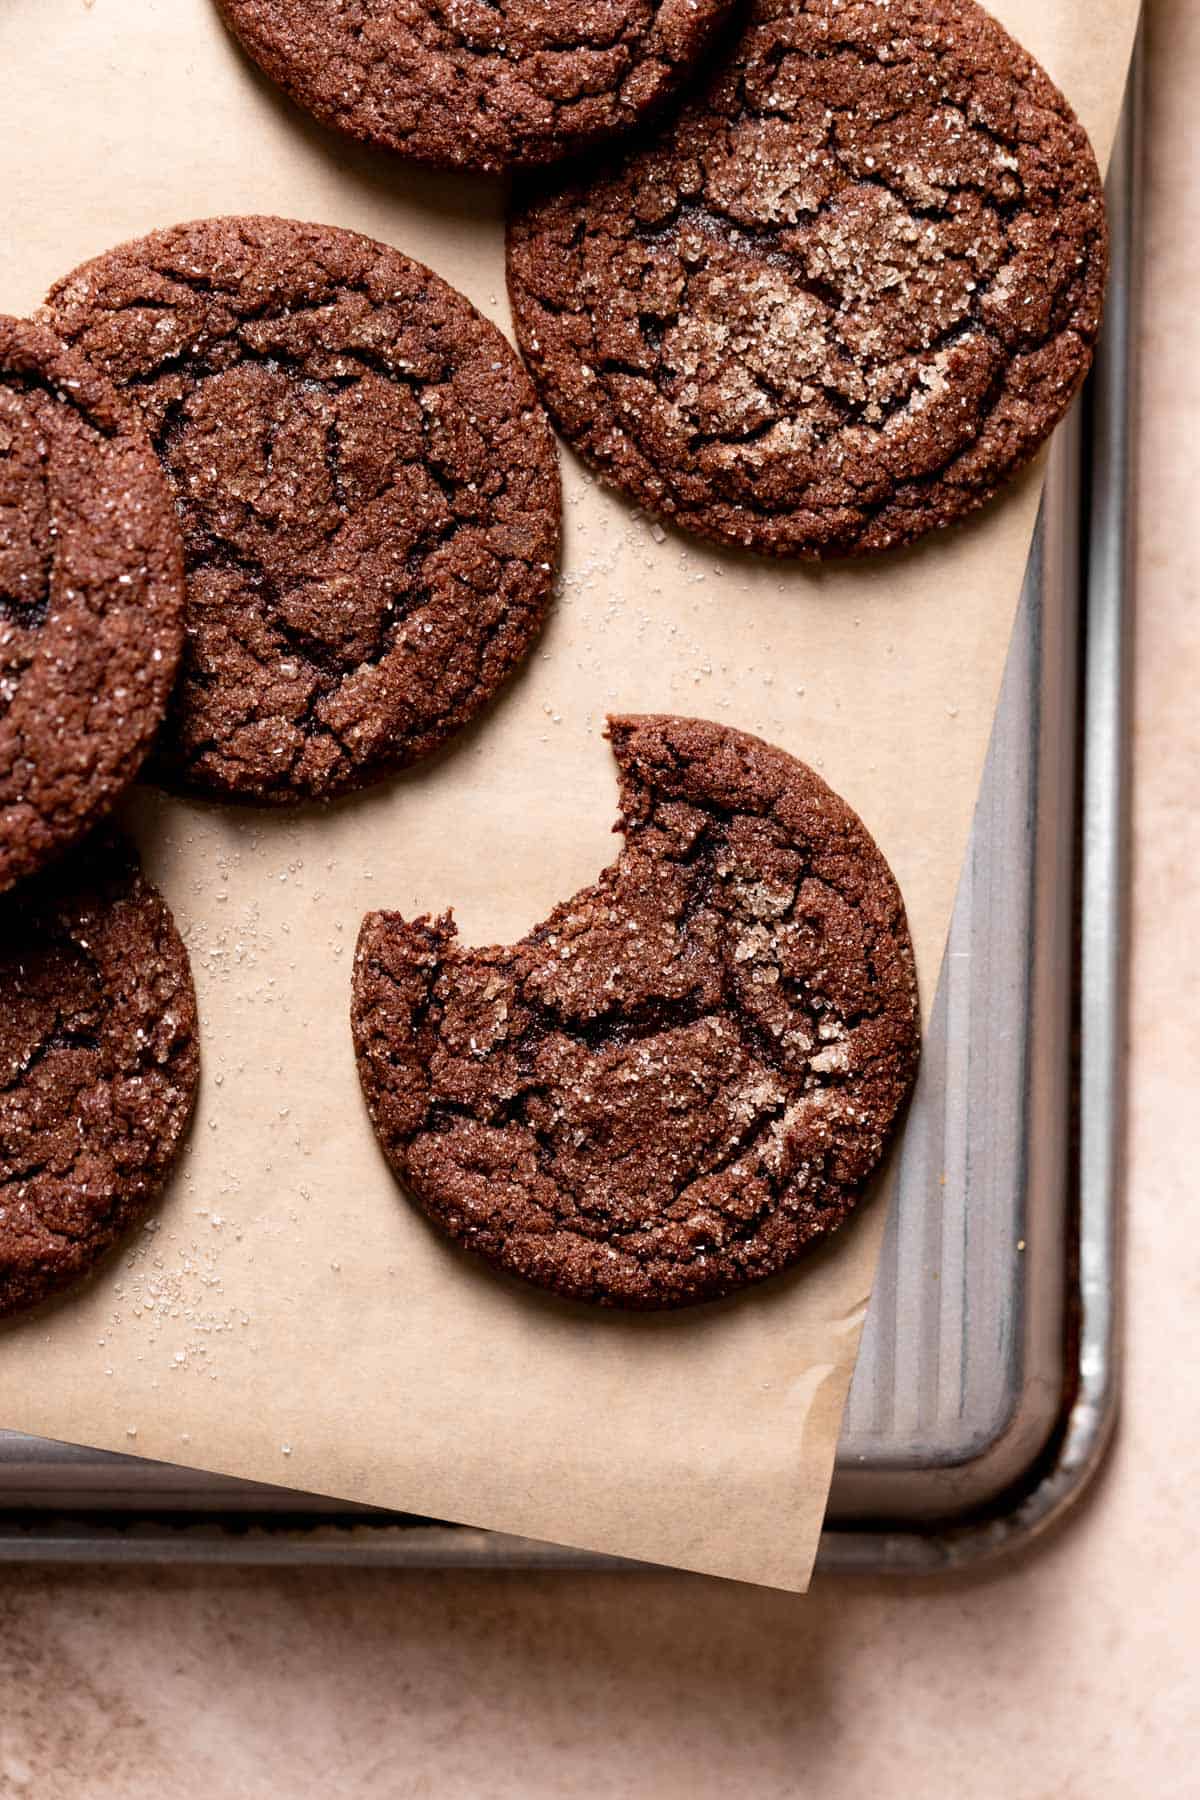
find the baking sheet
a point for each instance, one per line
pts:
(288, 1317)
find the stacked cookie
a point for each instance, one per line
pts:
(280, 512)
(98, 1058)
(301, 548)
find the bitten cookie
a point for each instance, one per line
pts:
(98, 1064)
(684, 1076)
(368, 488)
(91, 597)
(841, 298)
(483, 84)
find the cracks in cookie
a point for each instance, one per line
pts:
(29, 381)
(28, 613)
(61, 1038)
(643, 1020)
(333, 465)
(763, 240)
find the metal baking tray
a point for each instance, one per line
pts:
(986, 1386)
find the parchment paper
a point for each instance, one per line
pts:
(289, 1317)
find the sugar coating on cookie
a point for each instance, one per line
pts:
(367, 484)
(91, 597)
(840, 298)
(482, 84)
(688, 1072)
(99, 1064)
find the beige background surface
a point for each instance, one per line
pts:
(286, 1316)
(1070, 1676)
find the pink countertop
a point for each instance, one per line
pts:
(1067, 1676)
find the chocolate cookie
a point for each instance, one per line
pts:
(483, 84)
(689, 1071)
(842, 298)
(91, 597)
(98, 1064)
(368, 487)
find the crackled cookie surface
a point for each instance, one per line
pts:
(367, 484)
(840, 298)
(688, 1072)
(480, 84)
(98, 1064)
(91, 597)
